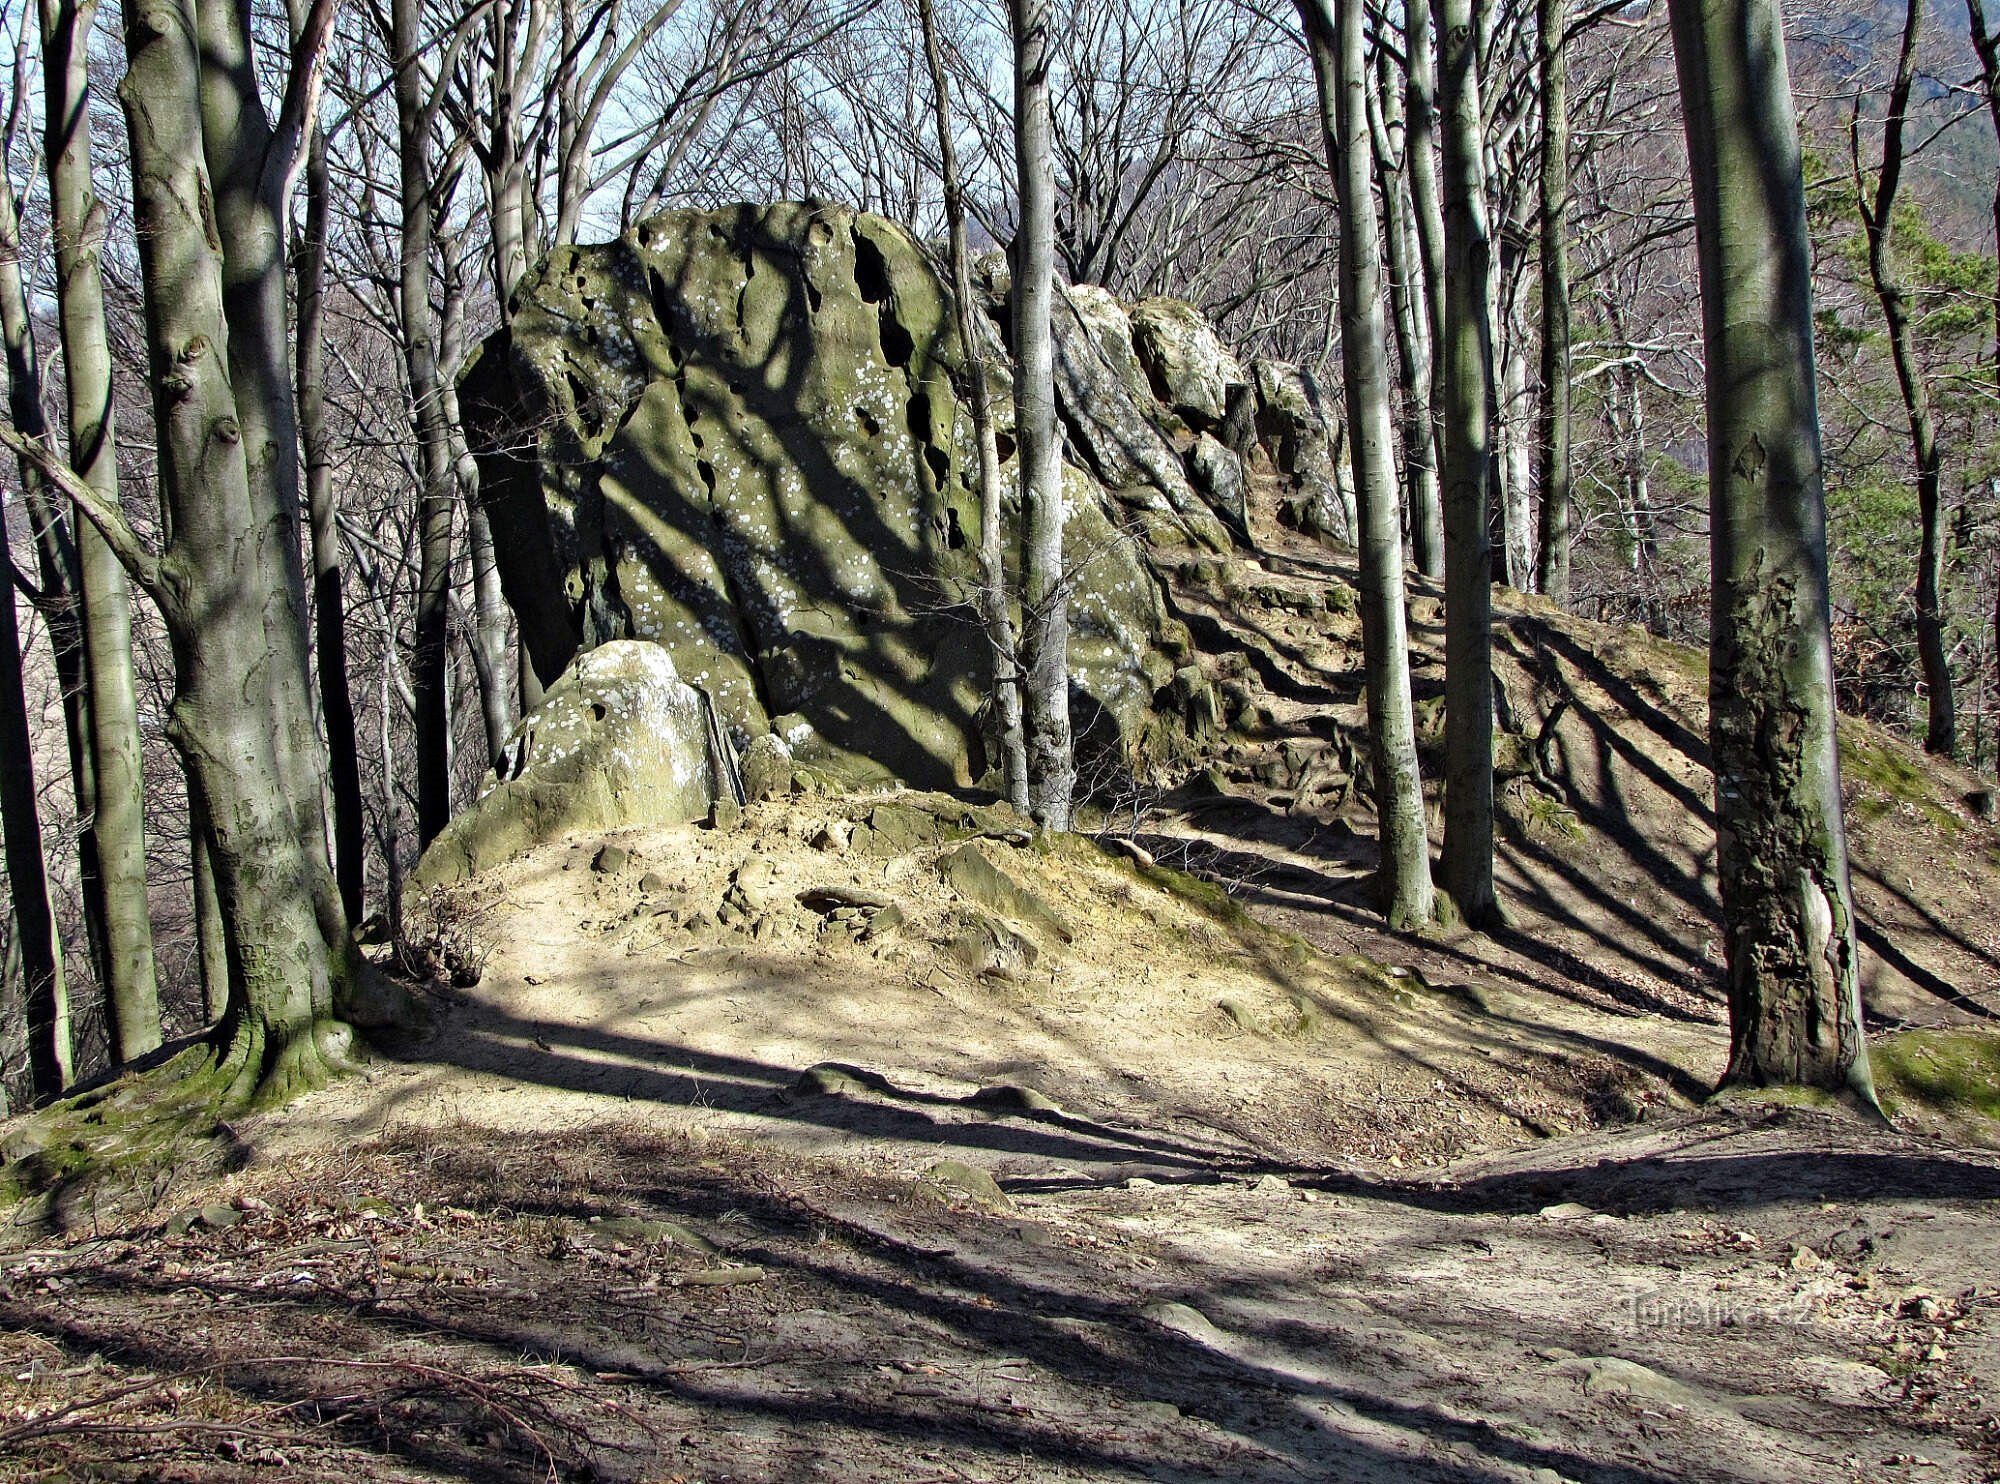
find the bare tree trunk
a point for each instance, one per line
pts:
(211, 937)
(491, 661)
(1878, 220)
(50, 1066)
(992, 557)
(1794, 994)
(1333, 31)
(413, 116)
(39, 944)
(1413, 337)
(336, 702)
(1553, 443)
(226, 582)
(118, 813)
(1516, 458)
(1465, 360)
(59, 602)
(1045, 586)
(1420, 166)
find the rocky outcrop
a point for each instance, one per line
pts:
(620, 740)
(740, 435)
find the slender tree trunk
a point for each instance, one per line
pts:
(1413, 339)
(433, 437)
(1794, 994)
(118, 815)
(45, 992)
(336, 702)
(50, 1067)
(1334, 30)
(36, 942)
(1553, 442)
(211, 937)
(60, 602)
(992, 556)
(1465, 359)
(1516, 456)
(227, 581)
(1045, 587)
(1420, 166)
(491, 661)
(1878, 220)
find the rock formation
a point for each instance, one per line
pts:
(739, 435)
(622, 739)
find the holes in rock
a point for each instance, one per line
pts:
(897, 346)
(871, 277)
(1005, 443)
(867, 420)
(871, 270)
(597, 711)
(814, 298)
(940, 464)
(656, 290)
(588, 414)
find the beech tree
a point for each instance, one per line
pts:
(1044, 585)
(1788, 913)
(1333, 30)
(1465, 407)
(1552, 565)
(124, 928)
(992, 556)
(227, 577)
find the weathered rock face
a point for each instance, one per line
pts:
(1190, 369)
(621, 739)
(739, 435)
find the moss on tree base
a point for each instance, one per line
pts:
(125, 1141)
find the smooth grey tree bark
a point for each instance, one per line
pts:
(1794, 993)
(1334, 36)
(1553, 445)
(1421, 169)
(36, 939)
(226, 581)
(1465, 410)
(486, 634)
(1044, 584)
(1411, 316)
(46, 995)
(336, 701)
(993, 608)
(118, 802)
(59, 600)
(1878, 223)
(211, 938)
(414, 111)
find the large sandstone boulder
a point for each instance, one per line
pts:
(740, 435)
(619, 740)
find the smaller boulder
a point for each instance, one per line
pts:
(619, 740)
(1189, 368)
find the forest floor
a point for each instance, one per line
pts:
(813, 1148)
